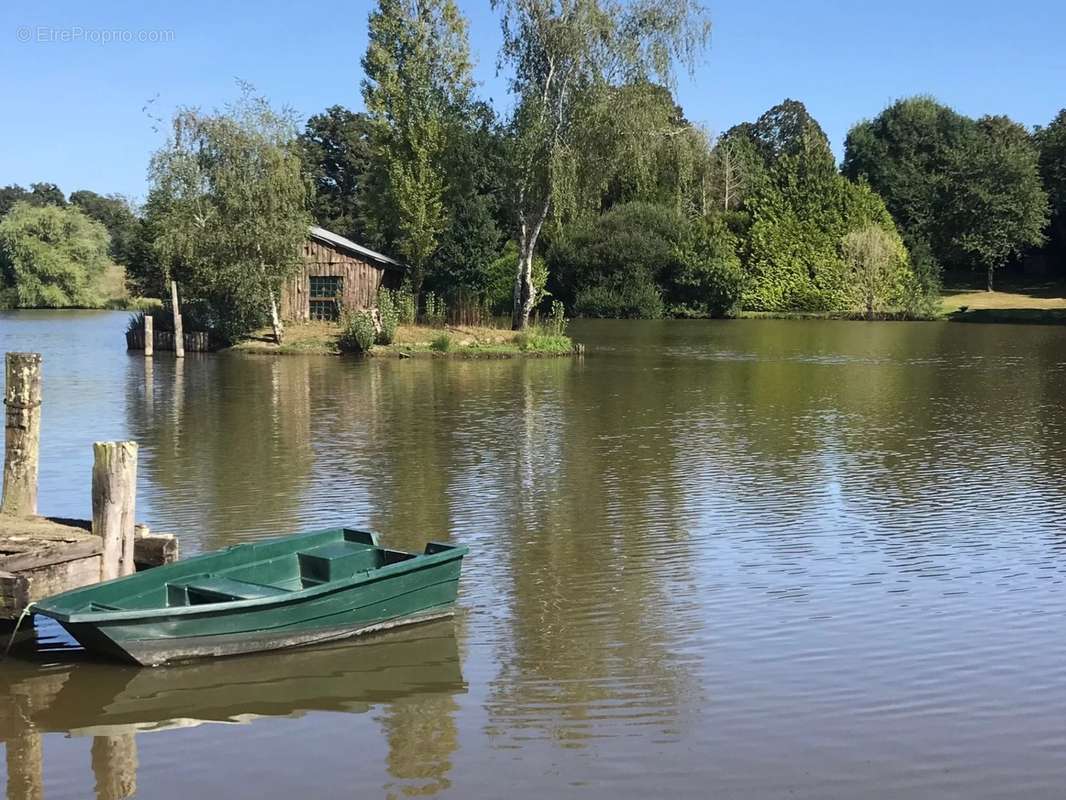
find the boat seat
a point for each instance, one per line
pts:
(215, 588)
(330, 562)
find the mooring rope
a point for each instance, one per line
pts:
(22, 616)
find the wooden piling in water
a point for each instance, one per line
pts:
(179, 337)
(114, 493)
(149, 335)
(22, 433)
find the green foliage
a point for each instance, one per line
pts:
(644, 260)
(877, 261)
(228, 208)
(471, 239)
(556, 321)
(635, 145)
(337, 152)
(11, 194)
(543, 341)
(965, 193)
(707, 278)
(406, 307)
(357, 332)
(623, 295)
(388, 315)
(499, 290)
(1052, 143)
(997, 205)
(51, 256)
(417, 68)
(442, 343)
(436, 311)
(609, 266)
(562, 59)
(116, 214)
(799, 210)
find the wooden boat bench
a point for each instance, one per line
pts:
(216, 588)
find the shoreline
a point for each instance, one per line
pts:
(415, 341)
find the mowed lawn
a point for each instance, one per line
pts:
(1014, 301)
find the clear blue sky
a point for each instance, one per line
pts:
(72, 109)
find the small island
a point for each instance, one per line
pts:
(415, 341)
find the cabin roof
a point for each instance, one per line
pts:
(336, 240)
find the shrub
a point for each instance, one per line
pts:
(357, 334)
(543, 341)
(389, 315)
(436, 310)
(613, 266)
(406, 307)
(442, 344)
(556, 322)
(629, 295)
(706, 279)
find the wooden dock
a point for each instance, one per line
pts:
(42, 556)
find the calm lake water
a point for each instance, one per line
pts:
(752, 559)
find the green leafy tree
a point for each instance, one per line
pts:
(1052, 143)
(338, 154)
(997, 205)
(635, 145)
(905, 153)
(708, 280)
(46, 194)
(799, 210)
(877, 260)
(562, 57)
(645, 260)
(116, 214)
(50, 256)
(11, 194)
(229, 204)
(965, 193)
(417, 68)
(471, 240)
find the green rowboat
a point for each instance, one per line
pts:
(288, 592)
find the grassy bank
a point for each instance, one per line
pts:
(1013, 302)
(453, 341)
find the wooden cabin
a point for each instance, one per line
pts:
(336, 274)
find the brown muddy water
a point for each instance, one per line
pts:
(753, 559)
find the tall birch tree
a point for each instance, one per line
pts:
(229, 206)
(562, 54)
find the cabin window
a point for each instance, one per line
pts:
(325, 292)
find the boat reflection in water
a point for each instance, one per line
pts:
(46, 690)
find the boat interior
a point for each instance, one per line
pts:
(346, 556)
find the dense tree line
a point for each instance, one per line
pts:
(55, 250)
(966, 193)
(594, 189)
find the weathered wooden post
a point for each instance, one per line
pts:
(179, 336)
(22, 435)
(149, 335)
(114, 496)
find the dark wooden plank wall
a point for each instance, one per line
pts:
(360, 280)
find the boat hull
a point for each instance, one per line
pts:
(409, 589)
(140, 647)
